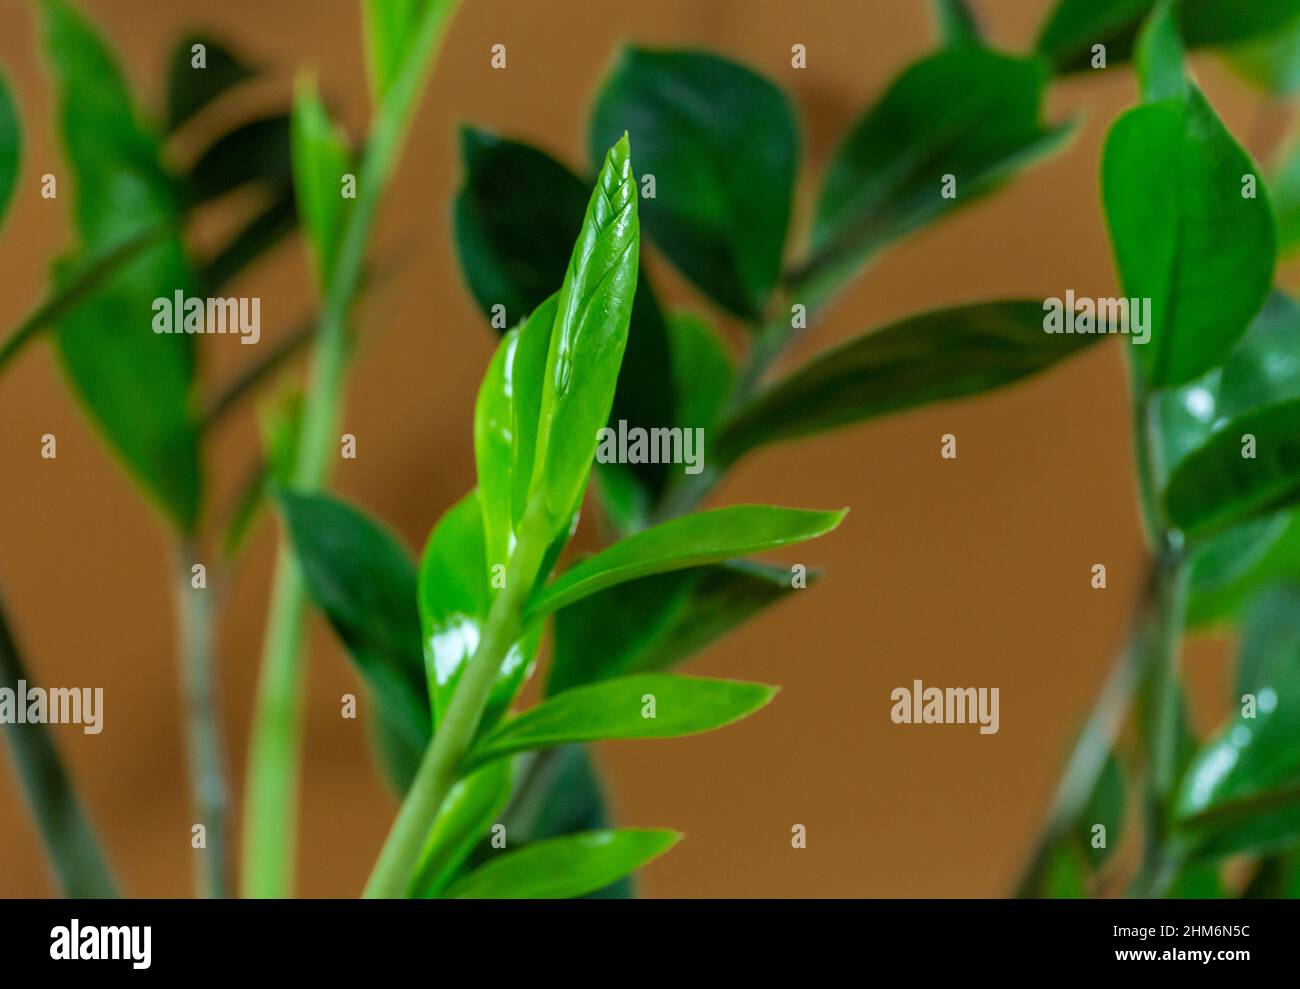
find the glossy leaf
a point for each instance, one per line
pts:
(965, 112)
(255, 151)
(10, 145)
(587, 341)
(565, 867)
(722, 147)
(321, 157)
(934, 357)
(189, 88)
(363, 580)
(1216, 486)
(1232, 566)
(467, 815)
(135, 383)
(656, 622)
(454, 598)
(1242, 791)
(1075, 26)
(689, 541)
(1184, 235)
(616, 710)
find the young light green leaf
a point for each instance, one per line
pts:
(1242, 791)
(565, 867)
(454, 597)
(587, 340)
(1160, 55)
(474, 804)
(1187, 233)
(192, 87)
(690, 541)
(643, 705)
(656, 622)
(321, 158)
(1249, 467)
(10, 145)
(950, 129)
(363, 580)
(1075, 27)
(135, 382)
(721, 147)
(391, 28)
(933, 357)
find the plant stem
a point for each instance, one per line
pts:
(64, 828)
(455, 732)
(207, 770)
(270, 812)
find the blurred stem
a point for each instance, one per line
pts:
(270, 816)
(455, 732)
(65, 830)
(207, 772)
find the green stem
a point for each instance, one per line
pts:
(455, 733)
(69, 838)
(274, 754)
(207, 771)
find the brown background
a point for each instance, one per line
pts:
(972, 572)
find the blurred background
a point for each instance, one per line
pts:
(966, 573)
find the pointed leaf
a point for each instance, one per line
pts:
(255, 151)
(689, 541)
(190, 89)
(565, 867)
(321, 157)
(965, 112)
(1160, 55)
(934, 357)
(474, 804)
(693, 119)
(391, 28)
(957, 25)
(617, 709)
(656, 622)
(1185, 236)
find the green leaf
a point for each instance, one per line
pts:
(472, 806)
(363, 580)
(957, 25)
(1216, 486)
(722, 147)
(1285, 189)
(1242, 791)
(321, 157)
(134, 382)
(190, 89)
(10, 145)
(391, 28)
(565, 867)
(656, 622)
(1160, 55)
(255, 151)
(690, 541)
(1271, 61)
(1075, 26)
(515, 217)
(702, 371)
(587, 340)
(1184, 235)
(933, 357)
(454, 598)
(617, 710)
(965, 112)
(1232, 566)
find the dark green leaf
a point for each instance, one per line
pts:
(256, 151)
(363, 580)
(321, 157)
(593, 309)
(1068, 36)
(656, 622)
(933, 357)
(722, 147)
(136, 383)
(1216, 486)
(10, 145)
(190, 89)
(702, 371)
(1185, 235)
(642, 705)
(464, 819)
(690, 541)
(1242, 791)
(965, 112)
(565, 867)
